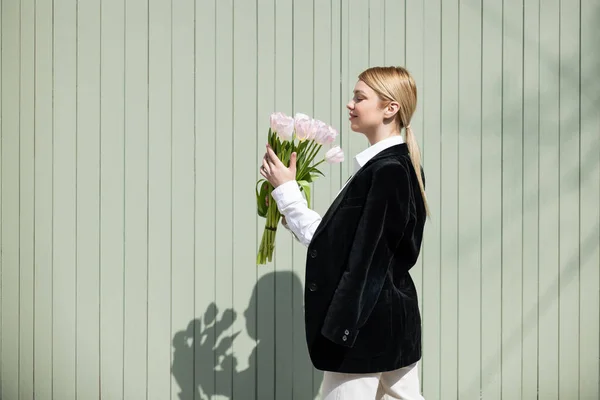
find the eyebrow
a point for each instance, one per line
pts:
(359, 91)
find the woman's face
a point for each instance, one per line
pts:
(365, 112)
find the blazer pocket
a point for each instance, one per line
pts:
(353, 202)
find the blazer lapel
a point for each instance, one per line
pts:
(332, 209)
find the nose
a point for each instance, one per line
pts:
(350, 105)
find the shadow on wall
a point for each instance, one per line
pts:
(204, 363)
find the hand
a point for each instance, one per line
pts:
(274, 171)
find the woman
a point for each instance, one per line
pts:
(363, 326)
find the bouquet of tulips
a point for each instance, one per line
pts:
(305, 136)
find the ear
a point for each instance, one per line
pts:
(392, 109)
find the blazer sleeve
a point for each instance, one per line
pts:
(380, 230)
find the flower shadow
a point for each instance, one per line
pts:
(205, 361)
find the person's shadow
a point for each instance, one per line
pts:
(204, 361)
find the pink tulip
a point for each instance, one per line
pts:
(273, 120)
(305, 127)
(321, 132)
(283, 125)
(331, 135)
(334, 155)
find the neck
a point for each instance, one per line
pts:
(382, 132)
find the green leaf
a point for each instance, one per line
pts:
(316, 171)
(261, 205)
(301, 176)
(306, 188)
(271, 137)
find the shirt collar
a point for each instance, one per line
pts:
(364, 156)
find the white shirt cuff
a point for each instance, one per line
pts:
(286, 194)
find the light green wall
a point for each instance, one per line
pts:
(131, 134)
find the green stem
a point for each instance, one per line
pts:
(318, 163)
(316, 151)
(312, 153)
(301, 153)
(305, 161)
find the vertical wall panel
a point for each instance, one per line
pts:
(549, 184)
(88, 197)
(183, 202)
(469, 200)
(512, 192)
(204, 329)
(337, 101)
(284, 282)
(346, 90)
(112, 166)
(357, 35)
(159, 199)
(26, 185)
(10, 226)
(64, 200)
(261, 318)
(449, 202)
(135, 286)
(245, 138)
(44, 188)
(1, 208)
(224, 187)
(589, 213)
(531, 135)
(569, 178)
(430, 299)
(395, 32)
(491, 201)
(377, 38)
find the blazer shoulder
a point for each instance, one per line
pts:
(391, 169)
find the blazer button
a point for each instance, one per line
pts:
(313, 253)
(312, 287)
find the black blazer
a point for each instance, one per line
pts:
(361, 309)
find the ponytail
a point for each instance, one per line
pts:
(415, 157)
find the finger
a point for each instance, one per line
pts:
(262, 172)
(293, 162)
(272, 156)
(268, 156)
(266, 167)
(271, 163)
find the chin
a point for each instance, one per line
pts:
(355, 128)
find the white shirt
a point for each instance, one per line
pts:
(303, 221)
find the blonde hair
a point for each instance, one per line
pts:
(396, 84)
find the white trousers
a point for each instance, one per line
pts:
(401, 384)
